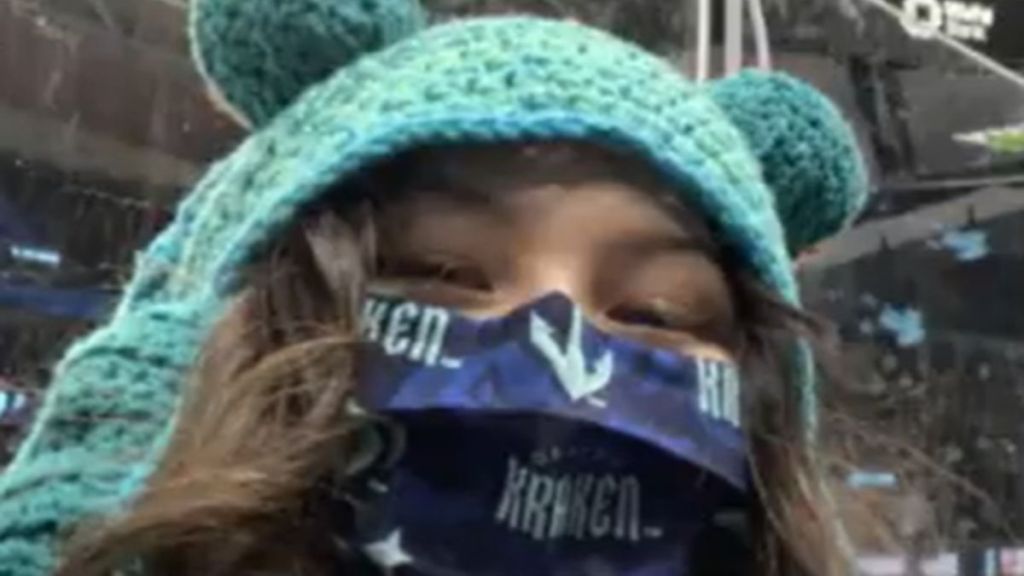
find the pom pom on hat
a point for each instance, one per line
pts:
(258, 55)
(808, 153)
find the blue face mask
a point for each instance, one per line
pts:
(535, 444)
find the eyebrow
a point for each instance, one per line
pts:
(660, 244)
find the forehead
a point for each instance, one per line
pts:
(503, 166)
(536, 178)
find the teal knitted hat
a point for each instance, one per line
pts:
(330, 86)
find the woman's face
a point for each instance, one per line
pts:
(487, 230)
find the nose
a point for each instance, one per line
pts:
(552, 274)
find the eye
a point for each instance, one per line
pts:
(637, 316)
(670, 315)
(654, 314)
(443, 271)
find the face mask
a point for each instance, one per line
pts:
(535, 444)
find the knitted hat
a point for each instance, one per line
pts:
(331, 86)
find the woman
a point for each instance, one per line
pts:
(504, 296)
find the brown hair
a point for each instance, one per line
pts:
(264, 430)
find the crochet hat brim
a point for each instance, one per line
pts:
(491, 80)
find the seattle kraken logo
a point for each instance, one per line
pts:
(569, 363)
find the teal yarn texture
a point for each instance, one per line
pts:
(260, 54)
(806, 151)
(332, 87)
